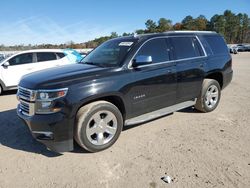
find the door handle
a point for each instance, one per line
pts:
(201, 65)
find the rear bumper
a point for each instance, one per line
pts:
(227, 78)
(53, 130)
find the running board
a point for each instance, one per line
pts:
(159, 113)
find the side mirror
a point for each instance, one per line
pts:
(142, 60)
(6, 64)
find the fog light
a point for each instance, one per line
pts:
(46, 104)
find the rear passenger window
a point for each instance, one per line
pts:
(60, 55)
(46, 56)
(186, 47)
(217, 44)
(157, 49)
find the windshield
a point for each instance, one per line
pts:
(110, 53)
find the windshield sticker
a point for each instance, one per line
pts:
(125, 43)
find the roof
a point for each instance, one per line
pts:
(174, 33)
(168, 33)
(42, 50)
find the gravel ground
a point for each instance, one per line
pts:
(195, 149)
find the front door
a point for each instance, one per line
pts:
(19, 66)
(154, 85)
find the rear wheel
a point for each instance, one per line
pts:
(98, 126)
(209, 97)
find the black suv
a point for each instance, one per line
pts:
(124, 81)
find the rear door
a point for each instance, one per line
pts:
(154, 85)
(190, 59)
(19, 65)
(46, 60)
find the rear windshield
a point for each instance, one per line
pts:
(110, 53)
(217, 44)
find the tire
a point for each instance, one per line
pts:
(98, 126)
(209, 97)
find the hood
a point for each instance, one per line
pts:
(60, 77)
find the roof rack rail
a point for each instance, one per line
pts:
(189, 31)
(168, 32)
(144, 34)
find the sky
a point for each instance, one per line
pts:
(61, 21)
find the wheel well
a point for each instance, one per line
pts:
(216, 76)
(115, 100)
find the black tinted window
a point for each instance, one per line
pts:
(217, 44)
(21, 59)
(157, 49)
(186, 47)
(46, 56)
(60, 55)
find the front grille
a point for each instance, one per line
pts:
(24, 107)
(26, 98)
(23, 93)
(26, 94)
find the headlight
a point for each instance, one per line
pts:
(51, 94)
(46, 100)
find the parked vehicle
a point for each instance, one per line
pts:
(233, 49)
(1, 57)
(124, 81)
(14, 67)
(247, 48)
(83, 54)
(241, 47)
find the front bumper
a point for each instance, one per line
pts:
(53, 130)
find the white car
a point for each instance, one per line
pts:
(15, 66)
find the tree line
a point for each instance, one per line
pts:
(235, 28)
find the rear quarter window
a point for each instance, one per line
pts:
(217, 44)
(60, 55)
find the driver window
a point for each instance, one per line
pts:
(157, 49)
(21, 59)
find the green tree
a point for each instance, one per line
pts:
(177, 26)
(217, 23)
(164, 25)
(245, 27)
(113, 35)
(200, 23)
(188, 23)
(151, 26)
(127, 34)
(140, 31)
(231, 26)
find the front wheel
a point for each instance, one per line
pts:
(209, 97)
(98, 126)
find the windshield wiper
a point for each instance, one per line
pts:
(88, 62)
(92, 63)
